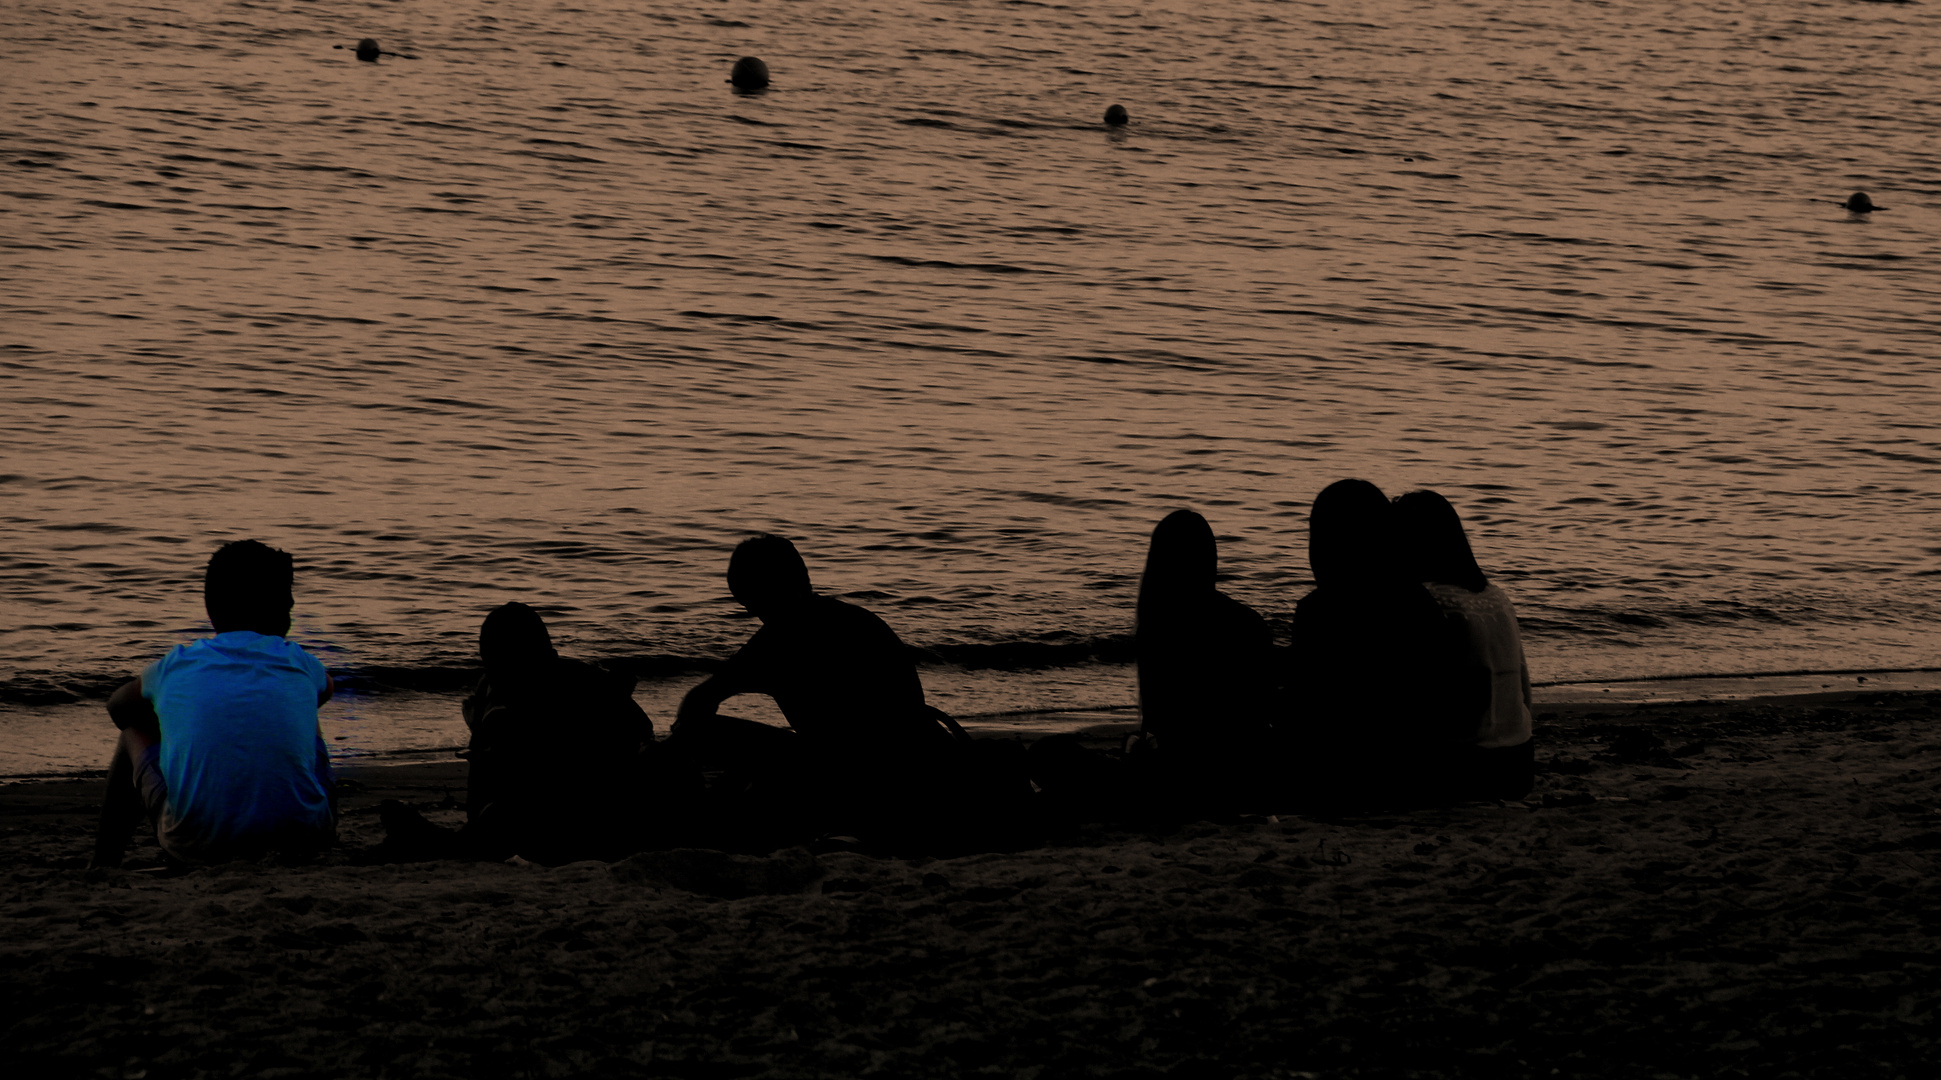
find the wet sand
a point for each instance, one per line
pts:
(1694, 890)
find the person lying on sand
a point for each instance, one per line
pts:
(1500, 762)
(863, 754)
(1382, 691)
(562, 760)
(219, 745)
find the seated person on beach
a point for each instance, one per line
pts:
(1207, 696)
(220, 746)
(561, 764)
(1206, 686)
(1501, 764)
(1382, 694)
(862, 747)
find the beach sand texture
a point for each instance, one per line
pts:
(1693, 890)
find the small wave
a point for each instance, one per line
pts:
(986, 268)
(1053, 650)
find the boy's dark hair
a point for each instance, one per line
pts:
(248, 584)
(765, 569)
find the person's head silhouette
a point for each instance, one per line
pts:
(1182, 557)
(1350, 538)
(514, 640)
(247, 586)
(1432, 544)
(766, 574)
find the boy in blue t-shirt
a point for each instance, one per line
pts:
(219, 739)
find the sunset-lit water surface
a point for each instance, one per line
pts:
(550, 313)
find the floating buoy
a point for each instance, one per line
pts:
(1859, 203)
(1116, 116)
(368, 51)
(749, 74)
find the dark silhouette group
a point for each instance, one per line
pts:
(1403, 685)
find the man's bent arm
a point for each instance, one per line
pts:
(700, 703)
(127, 707)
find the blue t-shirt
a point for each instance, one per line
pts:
(241, 753)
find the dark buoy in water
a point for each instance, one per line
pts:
(1859, 203)
(1116, 116)
(368, 51)
(749, 74)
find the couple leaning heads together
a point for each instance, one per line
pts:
(1404, 685)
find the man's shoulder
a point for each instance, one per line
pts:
(836, 608)
(856, 619)
(245, 647)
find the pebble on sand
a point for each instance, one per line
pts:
(749, 74)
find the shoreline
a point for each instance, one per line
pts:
(421, 724)
(1691, 890)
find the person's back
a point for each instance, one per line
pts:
(1502, 761)
(841, 677)
(1496, 643)
(863, 751)
(1373, 666)
(1379, 680)
(220, 736)
(838, 673)
(1205, 669)
(241, 752)
(560, 752)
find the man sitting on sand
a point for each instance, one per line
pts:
(864, 753)
(219, 739)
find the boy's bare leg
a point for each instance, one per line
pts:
(122, 809)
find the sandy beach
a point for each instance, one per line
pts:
(1693, 890)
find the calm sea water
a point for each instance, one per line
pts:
(550, 313)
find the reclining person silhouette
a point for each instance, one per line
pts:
(562, 760)
(863, 755)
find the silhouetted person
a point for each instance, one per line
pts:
(1207, 698)
(1115, 116)
(219, 738)
(1436, 550)
(1382, 696)
(562, 760)
(1206, 666)
(1859, 203)
(864, 753)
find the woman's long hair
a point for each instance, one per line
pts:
(1434, 546)
(514, 644)
(1181, 564)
